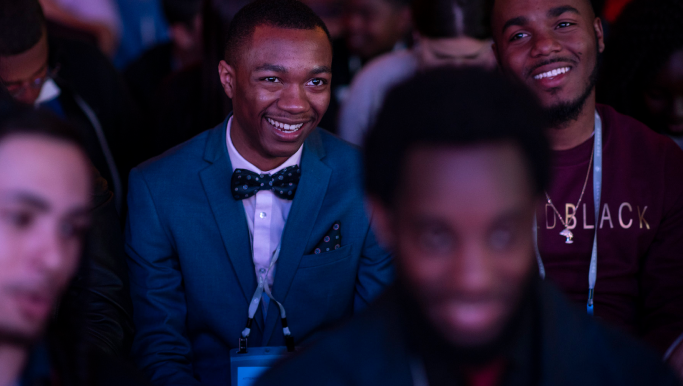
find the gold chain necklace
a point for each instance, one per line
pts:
(566, 232)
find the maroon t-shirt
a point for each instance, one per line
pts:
(639, 284)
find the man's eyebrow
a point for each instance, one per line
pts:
(518, 21)
(557, 11)
(272, 67)
(321, 70)
(29, 199)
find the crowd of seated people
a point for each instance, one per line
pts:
(341, 192)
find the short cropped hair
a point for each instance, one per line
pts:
(22, 25)
(438, 19)
(446, 106)
(289, 14)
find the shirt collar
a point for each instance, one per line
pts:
(48, 92)
(238, 162)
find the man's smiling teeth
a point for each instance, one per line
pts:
(285, 127)
(551, 73)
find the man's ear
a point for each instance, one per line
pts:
(227, 75)
(599, 35)
(382, 222)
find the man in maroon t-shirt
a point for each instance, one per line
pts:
(552, 47)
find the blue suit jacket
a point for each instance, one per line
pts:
(191, 269)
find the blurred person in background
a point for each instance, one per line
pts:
(642, 72)
(448, 33)
(331, 11)
(75, 81)
(46, 201)
(453, 178)
(185, 27)
(143, 26)
(372, 28)
(610, 231)
(99, 18)
(192, 100)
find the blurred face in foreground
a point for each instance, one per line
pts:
(44, 202)
(460, 229)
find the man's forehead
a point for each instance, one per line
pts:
(504, 10)
(268, 42)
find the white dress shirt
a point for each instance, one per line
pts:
(266, 213)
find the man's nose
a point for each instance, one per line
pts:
(472, 271)
(544, 44)
(294, 99)
(50, 252)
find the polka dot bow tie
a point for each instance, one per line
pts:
(245, 183)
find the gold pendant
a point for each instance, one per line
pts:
(569, 235)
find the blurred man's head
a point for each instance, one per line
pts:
(552, 47)
(374, 27)
(277, 71)
(453, 181)
(45, 192)
(23, 49)
(453, 32)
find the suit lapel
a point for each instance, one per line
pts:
(315, 176)
(228, 212)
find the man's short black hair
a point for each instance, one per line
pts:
(289, 14)
(437, 19)
(448, 106)
(21, 26)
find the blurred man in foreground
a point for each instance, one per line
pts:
(45, 205)
(454, 179)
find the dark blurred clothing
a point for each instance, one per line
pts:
(47, 367)
(95, 99)
(344, 67)
(552, 344)
(100, 293)
(186, 104)
(146, 73)
(639, 283)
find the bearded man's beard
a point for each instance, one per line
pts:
(560, 115)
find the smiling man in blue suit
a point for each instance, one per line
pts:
(209, 218)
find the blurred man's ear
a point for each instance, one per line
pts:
(227, 75)
(382, 220)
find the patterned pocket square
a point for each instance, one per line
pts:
(331, 241)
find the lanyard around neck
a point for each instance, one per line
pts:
(262, 287)
(597, 191)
